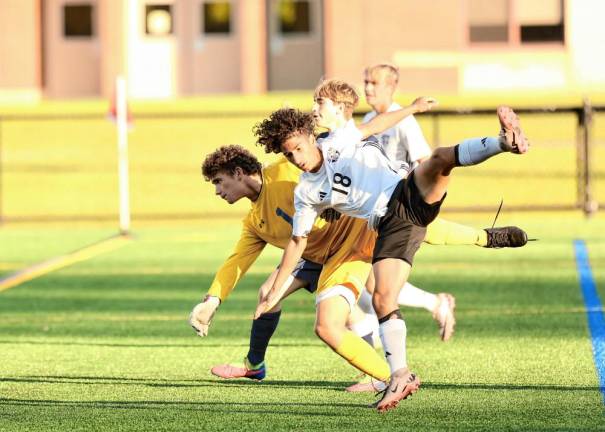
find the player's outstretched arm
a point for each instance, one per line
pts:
(201, 315)
(292, 254)
(387, 120)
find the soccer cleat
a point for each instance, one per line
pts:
(401, 387)
(444, 315)
(510, 236)
(512, 137)
(245, 370)
(367, 384)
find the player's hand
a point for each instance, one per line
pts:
(330, 215)
(424, 103)
(261, 309)
(266, 303)
(202, 314)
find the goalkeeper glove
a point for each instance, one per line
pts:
(202, 314)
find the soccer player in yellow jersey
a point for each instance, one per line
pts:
(343, 248)
(237, 174)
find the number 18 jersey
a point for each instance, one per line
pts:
(356, 179)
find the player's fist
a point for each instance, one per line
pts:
(202, 314)
(424, 103)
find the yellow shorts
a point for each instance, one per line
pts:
(350, 261)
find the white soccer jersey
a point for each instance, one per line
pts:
(356, 179)
(403, 142)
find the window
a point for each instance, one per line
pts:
(77, 20)
(516, 21)
(541, 21)
(158, 19)
(294, 16)
(488, 20)
(216, 17)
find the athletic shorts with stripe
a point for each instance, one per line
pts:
(309, 272)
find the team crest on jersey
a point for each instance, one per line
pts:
(333, 155)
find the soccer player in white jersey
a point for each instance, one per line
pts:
(405, 141)
(357, 179)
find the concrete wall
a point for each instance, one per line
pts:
(112, 35)
(359, 33)
(586, 44)
(20, 60)
(71, 65)
(208, 63)
(296, 61)
(429, 41)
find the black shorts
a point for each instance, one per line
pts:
(309, 272)
(402, 229)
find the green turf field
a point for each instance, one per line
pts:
(104, 344)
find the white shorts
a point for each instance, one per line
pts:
(337, 290)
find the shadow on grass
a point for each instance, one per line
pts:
(228, 407)
(193, 383)
(245, 383)
(158, 345)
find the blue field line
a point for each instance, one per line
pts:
(594, 311)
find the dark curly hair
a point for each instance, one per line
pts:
(282, 124)
(227, 158)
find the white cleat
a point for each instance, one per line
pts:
(444, 315)
(368, 384)
(512, 138)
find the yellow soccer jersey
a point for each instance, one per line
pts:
(270, 221)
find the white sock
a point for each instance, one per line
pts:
(476, 150)
(365, 302)
(366, 326)
(392, 334)
(412, 296)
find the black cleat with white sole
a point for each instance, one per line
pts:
(510, 236)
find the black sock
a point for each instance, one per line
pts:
(262, 330)
(396, 314)
(456, 155)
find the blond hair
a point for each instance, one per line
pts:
(391, 71)
(338, 91)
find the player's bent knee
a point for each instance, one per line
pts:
(441, 159)
(328, 334)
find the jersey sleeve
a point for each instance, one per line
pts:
(417, 146)
(247, 249)
(305, 214)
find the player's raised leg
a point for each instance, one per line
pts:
(432, 176)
